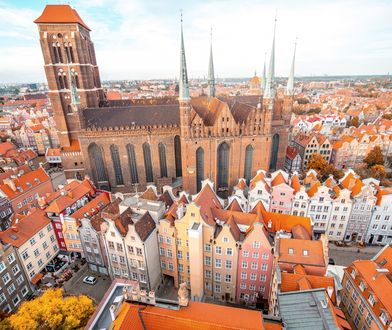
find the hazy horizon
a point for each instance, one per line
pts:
(139, 40)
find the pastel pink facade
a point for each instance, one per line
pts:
(255, 261)
(282, 194)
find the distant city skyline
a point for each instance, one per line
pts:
(140, 39)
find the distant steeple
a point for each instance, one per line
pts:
(270, 91)
(183, 84)
(290, 81)
(211, 76)
(264, 74)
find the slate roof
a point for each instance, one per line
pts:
(306, 310)
(142, 115)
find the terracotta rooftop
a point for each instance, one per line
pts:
(166, 198)
(60, 14)
(24, 183)
(315, 256)
(207, 200)
(25, 227)
(149, 194)
(196, 315)
(6, 146)
(92, 207)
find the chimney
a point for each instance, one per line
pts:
(380, 272)
(183, 299)
(180, 211)
(10, 183)
(151, 297)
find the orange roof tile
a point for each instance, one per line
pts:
(75, 146)
(259, 176)
(26, 182)
(92, 207)
(234, 206)
(60, 14)
(196, 315)
(241, 184)
(295, 183)
(208, 201)
(285, 222)
(6, 146)
(315, 252)
(279, 179)
(149, 194)
(24, 227)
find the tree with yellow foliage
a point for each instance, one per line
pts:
(323, 168)
(51, 311)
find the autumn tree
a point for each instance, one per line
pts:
(354, 122)
(378, 172)
(51, 311)
(387, 116)
(374, 157)
(322, 167)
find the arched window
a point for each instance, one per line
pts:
(223, 166)
(248, 163)
(59, 53)
(116, 164)
(60, 79)
(65, 81)
(55, 54)
(132, 163)
(68, 57)
(177, 155)
(162, 159)
(199, 167)
(71, 52)
(274, 152)
(76, 77)
(97, 164)
(147, 162)
(69, 108)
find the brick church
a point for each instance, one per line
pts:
(180, 141)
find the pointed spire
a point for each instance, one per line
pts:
(183, 83)
(290, 81)
(211, 76)
(269, 91)
(264, 74)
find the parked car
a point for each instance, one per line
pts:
(90, 280)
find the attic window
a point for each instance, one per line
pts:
(305, 252)
(291, 251)
(14, 237)
(383, 262)
(29, 184)
(37, 180)
(20, 189)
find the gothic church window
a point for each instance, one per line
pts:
(199, 167)
(147, 162)
(116, 164)
(223, 166)
(177, 155)
(132, 163)
(96, 160)
(274, 152)
(162, 160)
(248, 163)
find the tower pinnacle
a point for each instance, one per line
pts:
(264, 75)
(269, 91)
(183, 83)
(211, 76)
(290, 81)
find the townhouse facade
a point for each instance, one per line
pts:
(380, 226)
(366, 292)
(320, 205)
(340, 214)
(14, 287)
(34, 240)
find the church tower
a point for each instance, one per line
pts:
(183, 95)
(269, 92)
(289, 94)
(70, 67)
(211, 75)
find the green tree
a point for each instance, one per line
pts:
(374, 157)
(51, 311)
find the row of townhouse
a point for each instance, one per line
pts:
(366, 293)
(349, 209)
(26, 248)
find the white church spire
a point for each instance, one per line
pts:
(290, 81)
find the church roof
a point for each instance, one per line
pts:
(60, 14)
(138, 114)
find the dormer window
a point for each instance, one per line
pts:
(305, 252)
(362, 286)
(291, 251)
(353, 273)
(384, 318)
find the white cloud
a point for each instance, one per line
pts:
(139, 39)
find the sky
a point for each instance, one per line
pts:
(140, 39)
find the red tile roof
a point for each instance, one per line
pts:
(24, 227)
(60, 14)
(5, 147)
(26, 182)
(92, 207)
(196, 315)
